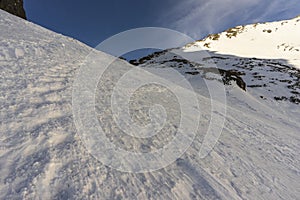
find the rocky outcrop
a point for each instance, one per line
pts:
(14, 7)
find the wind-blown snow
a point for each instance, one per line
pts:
(42, 157)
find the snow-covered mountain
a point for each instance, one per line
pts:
(275, 40)
(256, 157)
(263, 59)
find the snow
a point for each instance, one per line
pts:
(275, 40)
(43, 157)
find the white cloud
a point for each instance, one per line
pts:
(200, 17)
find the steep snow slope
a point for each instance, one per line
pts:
(262, 59)
(275, 40)
(42, 157)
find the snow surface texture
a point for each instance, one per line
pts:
(276, 40)
(42, 156)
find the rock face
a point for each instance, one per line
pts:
(14, 7)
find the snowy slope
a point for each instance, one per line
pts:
(42, 157)
(264, 57)
(275, 40)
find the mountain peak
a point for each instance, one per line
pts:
(273, 40)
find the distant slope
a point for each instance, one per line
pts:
(42, 156)
(272, 40)
(263, 59)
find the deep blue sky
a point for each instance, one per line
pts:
(93, 21)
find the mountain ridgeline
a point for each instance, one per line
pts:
(262, 59)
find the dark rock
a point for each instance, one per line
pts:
(14, 7)
(134, 62)
(192, 73)
(121, 57)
